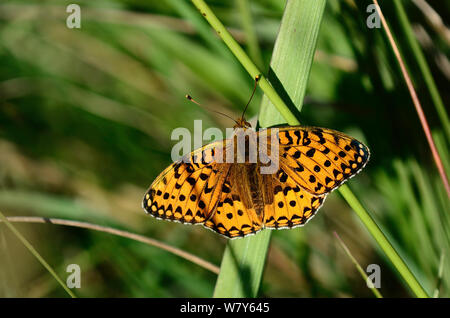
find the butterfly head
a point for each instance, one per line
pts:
(242, 123)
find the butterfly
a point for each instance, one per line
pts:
(236, 199)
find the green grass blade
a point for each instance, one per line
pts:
(243, 261)
(423, 66)
(245, 61)
(242, 266)
(292, 58)
(186, 11)
(250, 33)
(383, 242)
(439, 278)
(36, 254)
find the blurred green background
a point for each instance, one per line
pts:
(85, 122)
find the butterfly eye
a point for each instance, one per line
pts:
(247, 124)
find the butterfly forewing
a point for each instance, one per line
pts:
(320, 159)
(188, 190)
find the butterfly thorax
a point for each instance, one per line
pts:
(243, 146)
(246, 168)
(242, 123)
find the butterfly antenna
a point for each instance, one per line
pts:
(189, 98)
(257, 78)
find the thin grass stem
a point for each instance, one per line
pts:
(36, 254)
(140, 238)
(245, 60)
(250, 33)
(383, 242)
(423, 66)
(416, 102)
(358, 267)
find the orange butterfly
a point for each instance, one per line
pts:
(236, 199)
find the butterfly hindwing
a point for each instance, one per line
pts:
(292, 205)
(236, 215)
